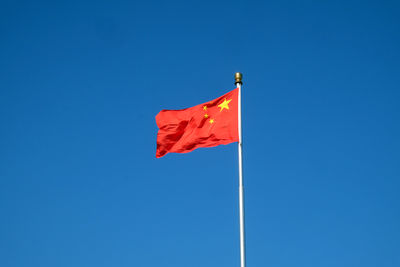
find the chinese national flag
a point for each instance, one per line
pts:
(209, 124)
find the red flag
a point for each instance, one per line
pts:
(209, 124)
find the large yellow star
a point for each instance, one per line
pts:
(224, 104)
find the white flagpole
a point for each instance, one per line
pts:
(238, 82)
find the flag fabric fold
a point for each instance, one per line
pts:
(206, 125)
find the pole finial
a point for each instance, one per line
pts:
(238, 77)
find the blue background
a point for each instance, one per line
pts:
(81, 83)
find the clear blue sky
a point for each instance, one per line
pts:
(81, 83)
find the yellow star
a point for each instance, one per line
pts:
(211, 121)
(224, 104)
(206, 116)
(205, 107)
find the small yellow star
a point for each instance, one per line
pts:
(224, 104)
(204, 107)
(206, 116)
(211, 121)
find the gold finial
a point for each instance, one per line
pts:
(238, 78)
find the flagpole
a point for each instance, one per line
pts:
(238, 82)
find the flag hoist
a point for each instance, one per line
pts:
(216, 122)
